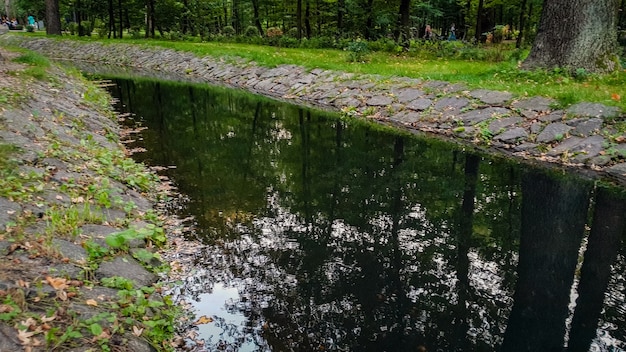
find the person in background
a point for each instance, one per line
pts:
(428, 32)
(452, 33)
(31, 20)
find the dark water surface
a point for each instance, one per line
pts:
(330, 235)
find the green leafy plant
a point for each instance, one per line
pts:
(357, 51)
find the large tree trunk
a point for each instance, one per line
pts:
(111, 19)
(150, 19)
(299, 18)
(575, 34)
(522, 23)
(402, 31)
(257, 16)
(479, 21)
(369, 22)
(53, 18)
(341, 5)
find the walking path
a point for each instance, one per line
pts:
(583, 137)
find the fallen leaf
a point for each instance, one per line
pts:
(137, 331)
(616, 97)
(203, 320)
(58, 283)
(45, 319)
(62, 295)
(91, 302)
(78, 199)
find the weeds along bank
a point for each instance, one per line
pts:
(80, 267)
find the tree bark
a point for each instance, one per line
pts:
(522, 23)
(121, 9)
(479, 21)
(257, 16)
(53, 18)
(369, 22)
(299, 18)
(402, 35)
(111, 19)
(576, 34)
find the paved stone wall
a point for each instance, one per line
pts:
(581, 136)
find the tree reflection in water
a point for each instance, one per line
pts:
(341, 236)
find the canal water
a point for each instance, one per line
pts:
(328, 234)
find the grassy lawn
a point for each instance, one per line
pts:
(503, 75)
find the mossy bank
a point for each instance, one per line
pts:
(583, 137)
(79, 234)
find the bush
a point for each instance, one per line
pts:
(101, 28)
(228, 31)
(323, 42)
(357, 51)
(288, 42)
(292, 32)
(251, 31)
(87, 27)
(384, 44)
(30, 29)
(273, 35)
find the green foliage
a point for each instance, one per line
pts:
(251, 31)
(357, 51)
(33, 59)
(117, 282)
(228, 31)
(120, 240)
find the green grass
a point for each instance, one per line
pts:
(37, 64)
(505, 75)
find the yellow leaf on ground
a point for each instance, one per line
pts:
(58, 283)
(137, 331)
(91, 302)
(203, 320)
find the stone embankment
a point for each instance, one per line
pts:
(78, 233)
(583, 136)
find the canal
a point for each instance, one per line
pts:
(323, 233)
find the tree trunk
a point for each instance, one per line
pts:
(121, 9)
(257, 16)
(576, 34)
(53, 18)
(299, 18)
(150, 19)
(369, 22)
(341, 5)
(522, 23)
(307, 20)
(111, 19)
(479, 21)
(402, 30)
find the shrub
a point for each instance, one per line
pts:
(100, 28)
(228, 31)
(357, 51)
(251, 31)
(30, 28)
(292, 32)
(288, 42)
(273, 35)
